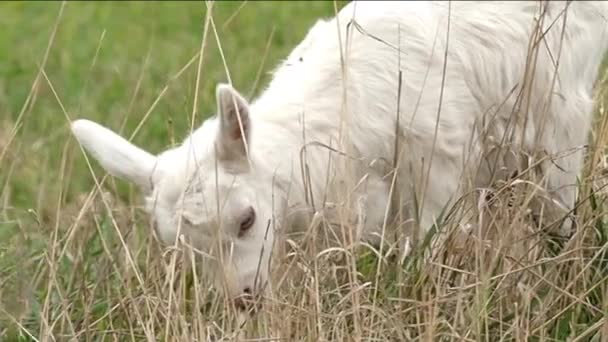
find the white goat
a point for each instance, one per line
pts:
(248, 172)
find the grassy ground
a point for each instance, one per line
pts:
(74, 268)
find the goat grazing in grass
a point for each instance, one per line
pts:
(412, 100)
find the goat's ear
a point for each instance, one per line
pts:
(115, 154)
(234, 125)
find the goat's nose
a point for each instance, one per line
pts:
(245, 300)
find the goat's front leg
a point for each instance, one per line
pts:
(363, 215)
(372, 209)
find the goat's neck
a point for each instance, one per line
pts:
(290, 141)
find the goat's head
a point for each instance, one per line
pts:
(207, 190)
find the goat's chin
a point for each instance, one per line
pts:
(248, 307)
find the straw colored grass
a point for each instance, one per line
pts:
(82, 262)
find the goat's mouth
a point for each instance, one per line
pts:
(248, 304)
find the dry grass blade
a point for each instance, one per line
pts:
(79, 260)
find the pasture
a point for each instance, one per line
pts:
(79, 260)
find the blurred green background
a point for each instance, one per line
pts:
(110, 61)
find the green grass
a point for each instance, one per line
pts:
(63, 267)
(103, 49)
(110, 62)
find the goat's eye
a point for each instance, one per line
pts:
(247, 221)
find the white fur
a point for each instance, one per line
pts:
(341, 90)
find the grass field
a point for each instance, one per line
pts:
(75, 268)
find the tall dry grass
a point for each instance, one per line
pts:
(102, 274)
